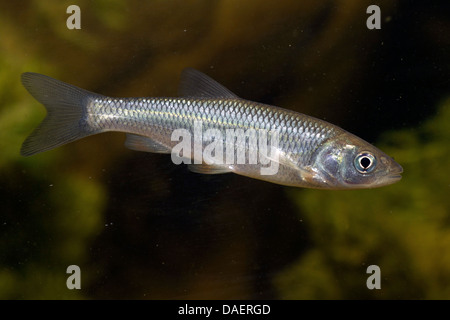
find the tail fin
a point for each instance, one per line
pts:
(66, 113)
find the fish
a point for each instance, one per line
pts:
(308, 152)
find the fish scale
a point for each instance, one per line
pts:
(146, 115)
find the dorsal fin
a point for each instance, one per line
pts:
(194, 83)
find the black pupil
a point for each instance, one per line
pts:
(365, 162)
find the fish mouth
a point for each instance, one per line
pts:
(395, 173)
(390, 179)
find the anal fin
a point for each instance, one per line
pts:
(145, 144)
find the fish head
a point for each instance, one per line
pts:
(348, 162)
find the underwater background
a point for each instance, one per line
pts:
(140, 227)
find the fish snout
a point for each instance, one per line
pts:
(395, 171)
(392, 168)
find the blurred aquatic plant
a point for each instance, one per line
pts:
(48, 213)
(404, 228)
(41, 236)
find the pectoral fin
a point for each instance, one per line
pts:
(307, 173)
(280, 157)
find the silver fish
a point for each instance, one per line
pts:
(311, 153)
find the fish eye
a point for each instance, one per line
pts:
(365, 162)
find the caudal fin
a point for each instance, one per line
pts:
(66, 113)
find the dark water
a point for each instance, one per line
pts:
(139, 226)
